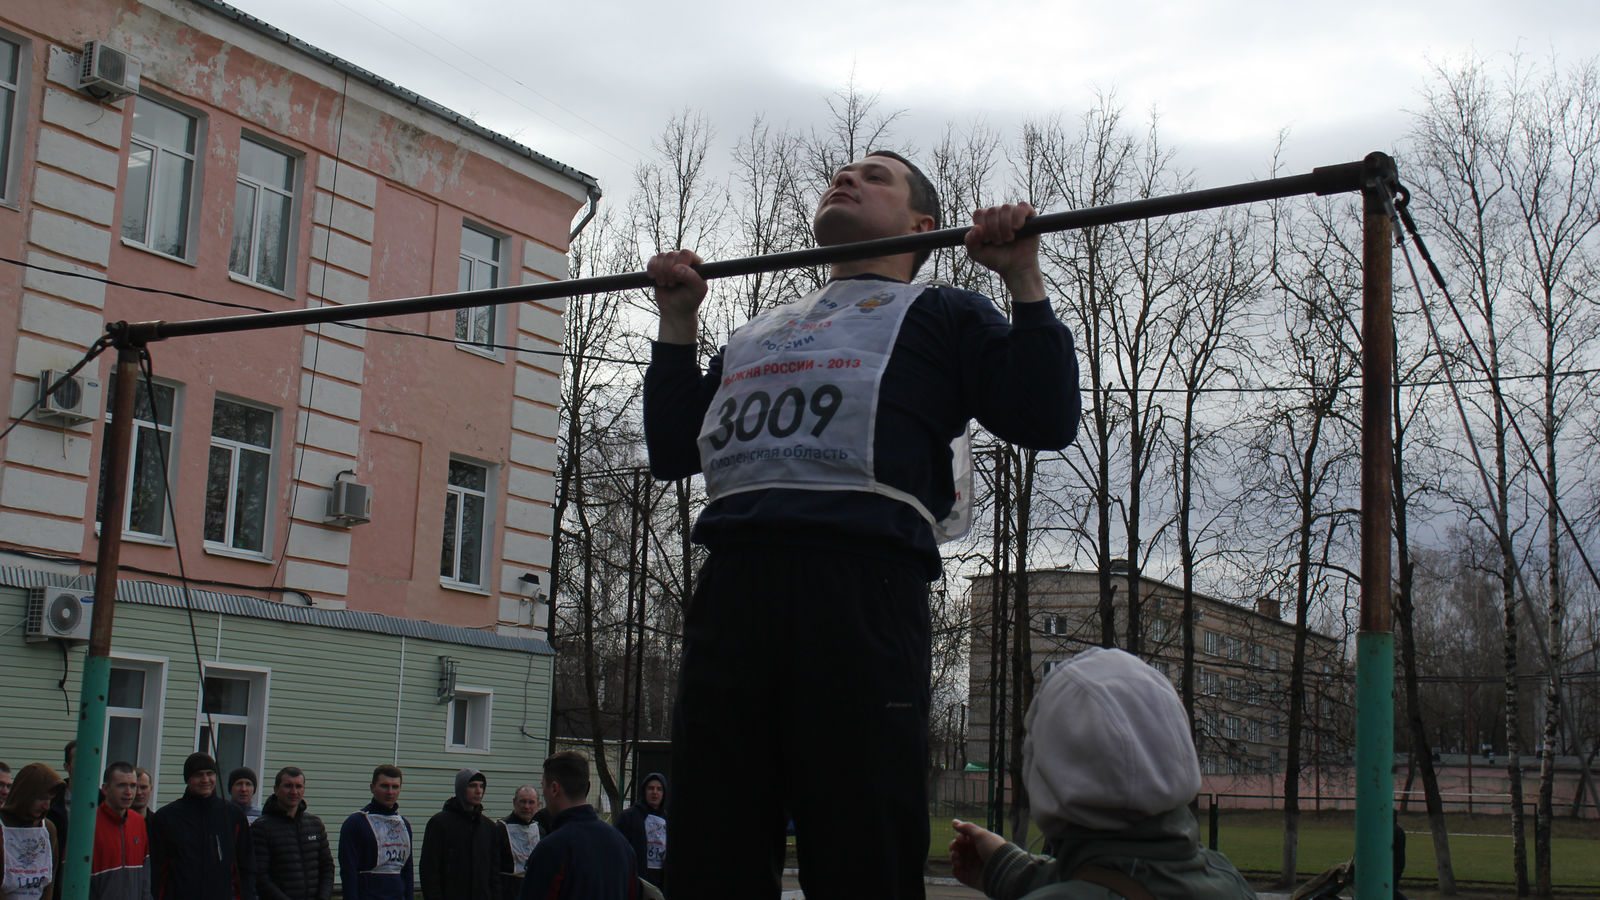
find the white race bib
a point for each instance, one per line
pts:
(655, 842)
(394, 843)
(29, 863)
(798, 404)
(522, 838)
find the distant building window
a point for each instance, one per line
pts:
(145, 510)
(233, 718)
(1213, 643)
(133, 713)
(469, 717)
(239, 476)
(263, 204)
(466, 524)
(11, 127)
(162, 170)
(1233, 728)
(480, 270)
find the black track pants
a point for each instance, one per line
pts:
(803, 692)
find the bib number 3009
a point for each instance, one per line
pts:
(780, 416)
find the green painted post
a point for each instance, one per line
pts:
(1374, 765)
(89, 762)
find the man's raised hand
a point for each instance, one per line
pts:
(679, 290)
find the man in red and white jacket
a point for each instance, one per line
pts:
(120, 869)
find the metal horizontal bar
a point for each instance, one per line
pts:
(1324, 180)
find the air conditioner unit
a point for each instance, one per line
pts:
(107, 73)
(77, 400)
(349, 503)
(59, 613)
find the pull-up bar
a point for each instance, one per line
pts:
(1338, 179)
(1374, 176)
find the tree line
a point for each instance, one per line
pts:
(1220, 443)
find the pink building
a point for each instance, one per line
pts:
(159, 158)
(245, 167)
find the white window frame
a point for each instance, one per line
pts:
(254, 721)
(150, 715)
(12, 141)
(292, 194)
(171, 430)
(196, 187)
(496, 330)
(478, 732)
(486, 527)
(226, 545)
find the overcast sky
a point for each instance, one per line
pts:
(590, 82)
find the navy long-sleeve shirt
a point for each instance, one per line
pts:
(955, 359)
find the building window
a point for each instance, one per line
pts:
(263, 204)
(162, 174)
(469, 717)
(145, 511)
(233, 717)
(466, 524)
(480, 270)
(133, 713)
(1233, 728)
(239, 476)
(12, 69)
(1213, 643)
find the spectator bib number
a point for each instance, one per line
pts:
(29, 866)
(394, 843)
(655, 842)
(798, 404)
(522, 838)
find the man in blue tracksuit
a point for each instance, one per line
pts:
(832, 435)
(375, 844)
(582, 858)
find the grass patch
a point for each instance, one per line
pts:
(1480, 848)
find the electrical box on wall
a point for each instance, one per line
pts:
(58, 613)
(349, 503)
(74, 401)
(107, 73)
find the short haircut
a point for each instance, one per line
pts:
(386, 771)
(141, 770)
(569, 769)
(5, 768)
(526, 787)
(120, 767)
(924, 199)
(289, 772)
(66, 752)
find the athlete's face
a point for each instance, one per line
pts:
(870, 198)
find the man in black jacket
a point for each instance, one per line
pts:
(199, 843)
(581, 858)
(519, 834)
(644, 824)
(293, 859)
(459, 847)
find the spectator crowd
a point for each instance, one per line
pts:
(216, 843)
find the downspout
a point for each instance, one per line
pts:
(594, 204)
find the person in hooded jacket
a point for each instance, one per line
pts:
(644, 824)
(29, 845)
(460, 847)
(200, 843)
(293, 859)
(1110, 770)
